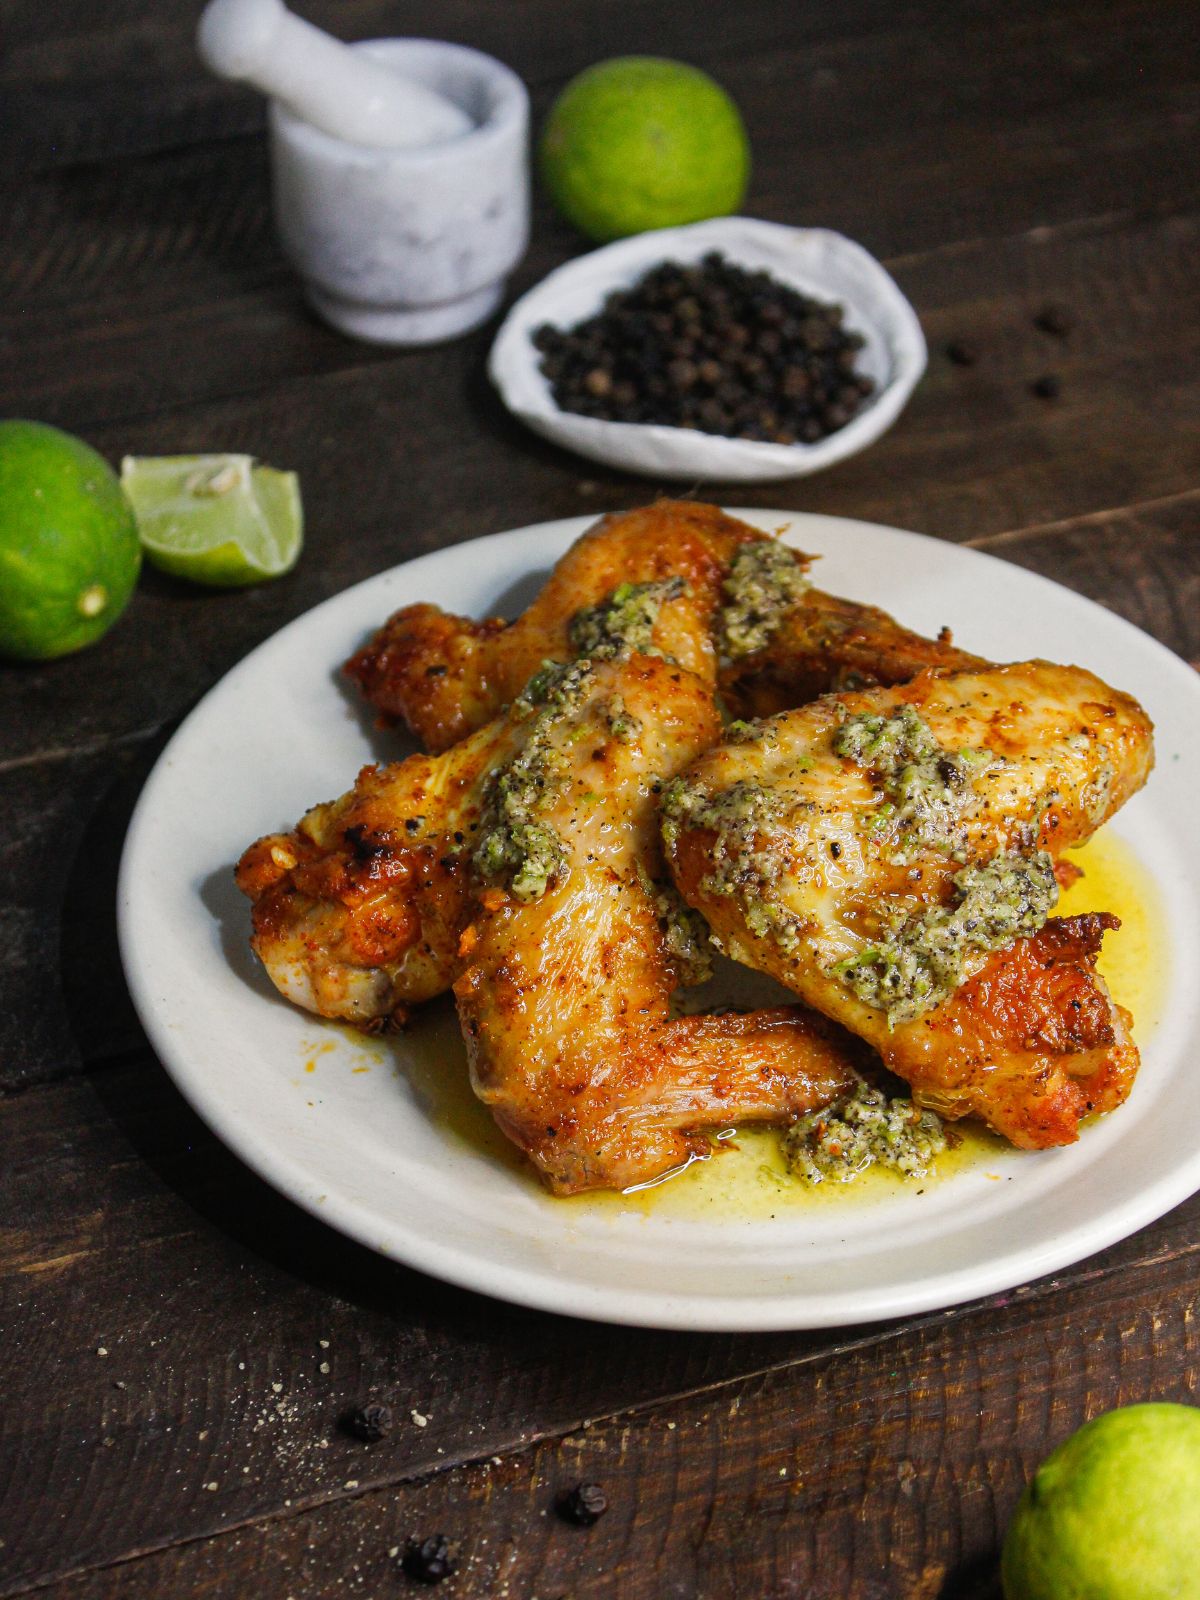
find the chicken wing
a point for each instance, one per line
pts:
(575, 949)
(712, 592)
(888, 855)
(445, 675)
(527, 860)
(824, 644)
(359, 909)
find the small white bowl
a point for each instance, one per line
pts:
(820, 263)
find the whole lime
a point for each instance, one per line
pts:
(1113, 1513)
(69, 552)
(639, 142)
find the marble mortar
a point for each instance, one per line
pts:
(410, 246)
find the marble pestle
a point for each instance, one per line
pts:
(342, 91)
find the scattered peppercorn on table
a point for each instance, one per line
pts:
(208, 1391)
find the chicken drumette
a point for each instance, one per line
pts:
(889, 856)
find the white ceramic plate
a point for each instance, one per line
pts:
(353, 1139)
(816, 261)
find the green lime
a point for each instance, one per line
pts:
(638, 143)
(1113, 1513)
(69, 555)
(215, 519)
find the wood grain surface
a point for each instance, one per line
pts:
(177, 1342)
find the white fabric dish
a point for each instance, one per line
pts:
(348, 1129)
(820, 263)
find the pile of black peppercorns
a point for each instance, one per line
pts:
(712, 347)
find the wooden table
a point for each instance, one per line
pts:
(177, 1340)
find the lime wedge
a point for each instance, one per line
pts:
(215, 519)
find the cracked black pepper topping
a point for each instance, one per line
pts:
(583, 1505)
(712, 347)
(918, 959)
(863, 1129)
(685, 932)
(926, 784)
(746, 859)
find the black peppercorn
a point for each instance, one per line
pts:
(711, 346)
(429, 1560)
(583, 1505)
(369, 1423)
(961, 353)
(1048, 387)
(1055, 320)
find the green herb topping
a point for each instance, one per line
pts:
(921, 957)
(517, 847)
(861, 1130)
(624, 623)
(685, 932)
(927, 786)
(747, 860)
(764, 581)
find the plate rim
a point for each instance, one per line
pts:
(538, 1290)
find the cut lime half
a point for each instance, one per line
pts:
(217, 519)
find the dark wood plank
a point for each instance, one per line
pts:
(60, 975)
(1143, 563)
(78, 90)
(1100, 122)
(128, 1228)
(83, 90)
(978, 453)
(975, 454)
(880, 1472)
(60, 981)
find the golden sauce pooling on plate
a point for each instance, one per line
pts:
(746, 1178)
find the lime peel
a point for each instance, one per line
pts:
(1113, 1513)
(642, 142)
(69, 553)
(219, 520)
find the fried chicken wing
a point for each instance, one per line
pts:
(575, 948)
(740, 603)
(888, 855)
(824, 644)
(526, 860)
(358, 910)
(445, 675)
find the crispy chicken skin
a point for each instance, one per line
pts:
(358, 910)
(1030, 1040)
(445, 676)
(564, 998)
(563, 995)
(825, 644)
